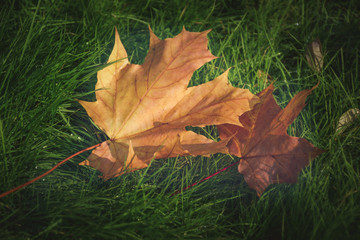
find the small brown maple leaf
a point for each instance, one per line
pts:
(268, 154)
(144, 109)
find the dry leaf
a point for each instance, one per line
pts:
(268, 154)
(346, 119)
(263, 77)
(144, 109)
(314, 55)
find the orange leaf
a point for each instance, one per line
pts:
(268, 154)
(144, 109)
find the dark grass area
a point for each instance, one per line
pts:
(50, 52)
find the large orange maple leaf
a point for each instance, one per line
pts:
(144, 109)
(268, 154)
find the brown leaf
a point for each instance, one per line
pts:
(263, 77)
(346, 119)
(268, 154)
(144, 109)
(314, 55)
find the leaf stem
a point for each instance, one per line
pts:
(46, 173)
(204, 179)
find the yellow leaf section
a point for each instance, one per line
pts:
(152, 89)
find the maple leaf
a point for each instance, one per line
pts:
(268, 154)
(144, 109)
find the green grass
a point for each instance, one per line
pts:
(50, 53)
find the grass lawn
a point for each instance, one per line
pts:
(50, 52)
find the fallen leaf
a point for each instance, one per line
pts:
(144, 109)
(314, 55)
(268, 154)
(263, 77)
(346, 119)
